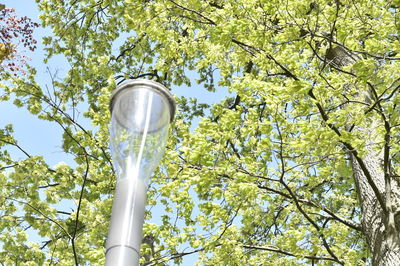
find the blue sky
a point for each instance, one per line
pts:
(40, 137)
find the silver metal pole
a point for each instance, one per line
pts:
(125, 235)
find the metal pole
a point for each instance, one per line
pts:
(125, 235)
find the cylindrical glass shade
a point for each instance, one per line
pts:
(139, 131)
(141, 113)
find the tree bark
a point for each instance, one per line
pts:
(379, 232)
(378, 189)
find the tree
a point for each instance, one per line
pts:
(297, 165)
(14, 31)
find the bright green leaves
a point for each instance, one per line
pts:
(262, 177)
(365, 70)
(23, 207)
(15, 252)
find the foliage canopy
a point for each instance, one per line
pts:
(264, 177)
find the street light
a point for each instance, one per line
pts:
(141, 113)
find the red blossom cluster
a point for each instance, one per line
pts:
(14, 32)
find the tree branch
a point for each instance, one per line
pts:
(353, 151)
(274, 249)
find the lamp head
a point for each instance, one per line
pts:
(141, 113)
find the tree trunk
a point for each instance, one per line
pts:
(377, 187)
(379, 232)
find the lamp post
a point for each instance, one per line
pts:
(141, 113)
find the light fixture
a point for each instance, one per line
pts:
(141, 113)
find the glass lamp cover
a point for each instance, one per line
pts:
(139, 129)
